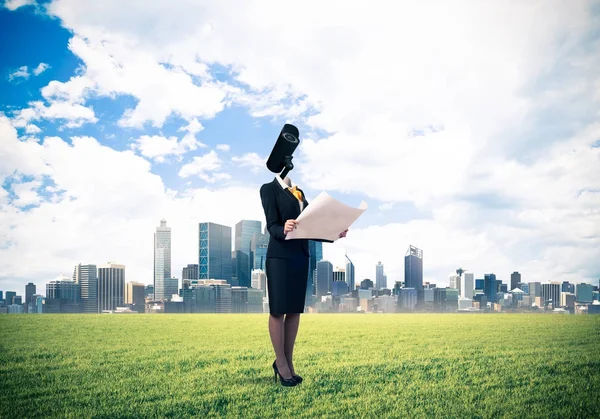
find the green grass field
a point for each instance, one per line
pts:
(373, 365)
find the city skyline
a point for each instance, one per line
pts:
(100, 140)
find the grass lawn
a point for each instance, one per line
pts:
(353, 365)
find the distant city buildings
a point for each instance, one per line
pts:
(111, 286)
(215, 259)
(162, 260)
(235, 281)
(413, 269)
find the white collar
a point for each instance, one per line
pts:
(282, 182)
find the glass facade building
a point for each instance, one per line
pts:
(214, 252)
(87, 278)
(111, 286)
(162, 260)
(413, 269)
(244, 231)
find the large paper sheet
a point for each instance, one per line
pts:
(325, 218)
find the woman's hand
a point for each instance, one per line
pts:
(343, 233)
(289, 226)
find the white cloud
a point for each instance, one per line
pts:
(40, 68)
(253, 161)
(15, 4)
(223, 147)
(32, 129)
(26, 193)
(201, 166)
(20, 73)
(159, 148)
(74, 114)
(75, 90)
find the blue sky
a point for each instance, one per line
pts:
(475, 145)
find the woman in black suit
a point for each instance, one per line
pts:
(287, 272)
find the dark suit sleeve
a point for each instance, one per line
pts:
(315, 240)
(270, 207)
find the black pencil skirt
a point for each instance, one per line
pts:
(287, 279)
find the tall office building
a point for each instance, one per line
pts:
(62, 296)
(515, 278)
(535, 290)
(467, 285)
(162, 259)
(190, 273)
(111, 286)
(551, 292)
(87, 278)
(29, 292)
(259, 281)
(315, 250)
(413, 269)
(135, 294)
(324, 278)
(490, 287)
(379, 276)
(339, 274)
(171, 287)
(567, 287)
(584, 293)
(244, 231)
(350, 274)
(62, 289)
(214, 251)
(366, 284)
(454, 282)
(8, 298)
(258, 250)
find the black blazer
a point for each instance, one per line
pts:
(281, 205)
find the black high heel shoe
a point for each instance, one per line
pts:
(284, 382)
(297, 378)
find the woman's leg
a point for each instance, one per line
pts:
(276, 330)
(292, 321)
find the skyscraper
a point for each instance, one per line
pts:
(244, 231)
(111, 286)
(515, 278)
(87, 278)
(584, 293)
(339, 274)
(490, 287)
(162, 259)
(214, 251)
(467, 285)
(29, 292)
(258, 249)
(454, 282)
(379, 284)
(190, 273)
(134, 294)
(324, 278)
(551, 292)
(350, 274)
(413, 269)
(315, 250)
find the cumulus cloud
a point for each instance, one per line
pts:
(252, 161)
(20, 73)
(160, 148)
(15, 4)
(40, 68)
(202, 166)
(223, 147)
